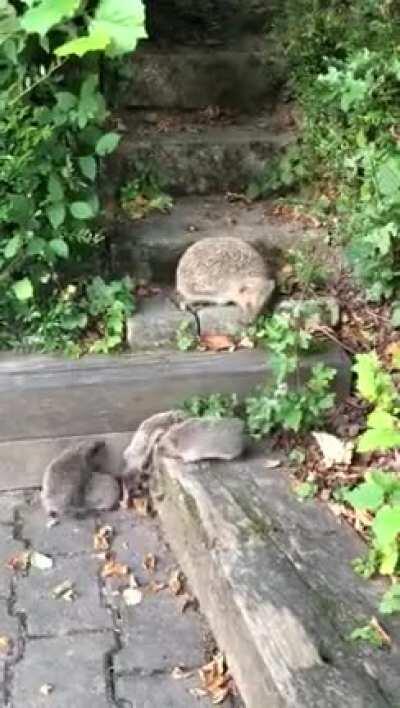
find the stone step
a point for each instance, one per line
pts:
(209, 21)
(151, 247)
(242, 77)
(45, 402)
(191, 157)
(274, 579)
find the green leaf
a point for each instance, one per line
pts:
(386, 525)
(66, 101)
(388, 177)
(395, 318)
(380, 418)
(59, 247)
(369, 634)
(55, 188)
(378, 439)
(44, 15)
(13, 246)
(387, 480)
(122, 22)
(389, 558)
(56, 214)
(306, 490)
(96, 41)
(366, 368)
(81, 210)
(88, 167)
(9, 23)
(23, 289)
(107, 144)
(367, 495)
(391, 600)
(20, 209)
(36, 247)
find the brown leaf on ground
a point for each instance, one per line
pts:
(113, 569)
(217, 342)
(216, 680)
(5, 645)
(20, 561)
(142, 505)
(176, 582)
(103, 538)
(155, 587)
(149, 562)
(386, 639)
(392, 352)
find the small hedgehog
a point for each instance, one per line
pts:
(197, 439)
(224, 270)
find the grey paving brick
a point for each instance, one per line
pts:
(157, 636)
(48, 616)
(158, 692)
(9, 547)
(73, 666)
(69, 536)
(9, 628)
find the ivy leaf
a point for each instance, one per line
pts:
(23, 289)
(88, 167)
(122, 22)
(59, 247)
(378, 439)
(56, 214)
(386, 525)
(367, 495)
(107, 144)
(44, 15)
(96, 41)
(13, 246)
(81, 210)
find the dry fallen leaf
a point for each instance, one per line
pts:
(216, 679)
(20, 561)
(65, 590)
(217, 342)
(142, 505)
(392, 351)
(132, 596)
(176, 582)
(246, 343)
(5, 645)
(40, 561)
(180, 673)
(149, 562)
(272, 464)
(103, 538)
(113, 569)
(334, 450)
(156, 587)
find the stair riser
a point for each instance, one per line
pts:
(198, 78)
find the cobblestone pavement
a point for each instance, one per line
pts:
(93, 651)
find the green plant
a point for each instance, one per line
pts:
(379, 495)
(309, 273)
(376, 386)
(144, 194)
(369, 633)
(52, 140)
(185, 338)
(109, 304)
(217, 405)
(306, 490)
(346, 78)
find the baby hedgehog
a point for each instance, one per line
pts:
(196, 439)
(224, 270)
(78, 480)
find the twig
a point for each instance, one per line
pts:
(327, 332)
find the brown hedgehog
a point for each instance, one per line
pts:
(224, 270)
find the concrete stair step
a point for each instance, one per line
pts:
(151, 247)
(46, 402)
(274, 579)
(194, 157)
(242, 76)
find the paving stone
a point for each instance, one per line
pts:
(9, 503)
(158, 692)
(9, 627)
(156, 324)
(68, 537)
(221, 319)
(49, 616)
(8, 548)
(156, 636)
(72, 665)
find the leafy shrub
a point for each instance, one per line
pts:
(52, 139)
(217, 405)
(346, 76)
